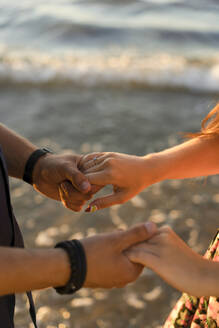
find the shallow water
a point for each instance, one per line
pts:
(150, 43)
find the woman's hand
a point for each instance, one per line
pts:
(177, 264)
(131, 174)
(128, 174)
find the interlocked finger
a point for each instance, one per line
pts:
(93, 163)
(71, 198)
(88, 158)
(75, 206)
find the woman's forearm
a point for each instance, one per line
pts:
(132, 174)
(23, 269)
(182, 268)
(16, 151)
(194, 158)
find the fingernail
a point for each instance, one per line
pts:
(85, 185)
(93, 208)
(150, 227)
(88, 209)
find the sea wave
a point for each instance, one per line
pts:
(127, 68)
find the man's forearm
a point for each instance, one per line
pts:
(194, 158)
(16, 151)
(23, 269)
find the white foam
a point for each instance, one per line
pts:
(121, 69)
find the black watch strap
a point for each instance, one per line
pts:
(78, 265)
(28, 171)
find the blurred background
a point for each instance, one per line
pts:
(127, 76)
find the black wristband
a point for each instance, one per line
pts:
(78, 264)
(28, 171)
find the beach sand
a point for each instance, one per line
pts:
(131, 121)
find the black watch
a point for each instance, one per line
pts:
(28, 171)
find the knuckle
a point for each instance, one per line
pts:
(139, 231)
(166, 234)
(109, 154)
(109, 162)
(167, 229)
(83, 159)
(91, 156)
(70, 156)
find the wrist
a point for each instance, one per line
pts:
(154, 168)
(33, 165)
(203, 278)
(209, 282)
(78, 266)
(40, 168)
(63, 268)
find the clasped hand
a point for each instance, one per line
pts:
(74, 179)
(58, 177)
(117, 258)
(107, 264)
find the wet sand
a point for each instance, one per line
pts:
(135, 122)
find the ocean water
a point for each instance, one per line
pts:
(140, 43)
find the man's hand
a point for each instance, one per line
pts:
(58, 177)
(106, 262)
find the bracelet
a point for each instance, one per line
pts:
(28, 171)
(78, 264)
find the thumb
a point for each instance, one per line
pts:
(137, 234)
(106, 201)
(79, 180)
